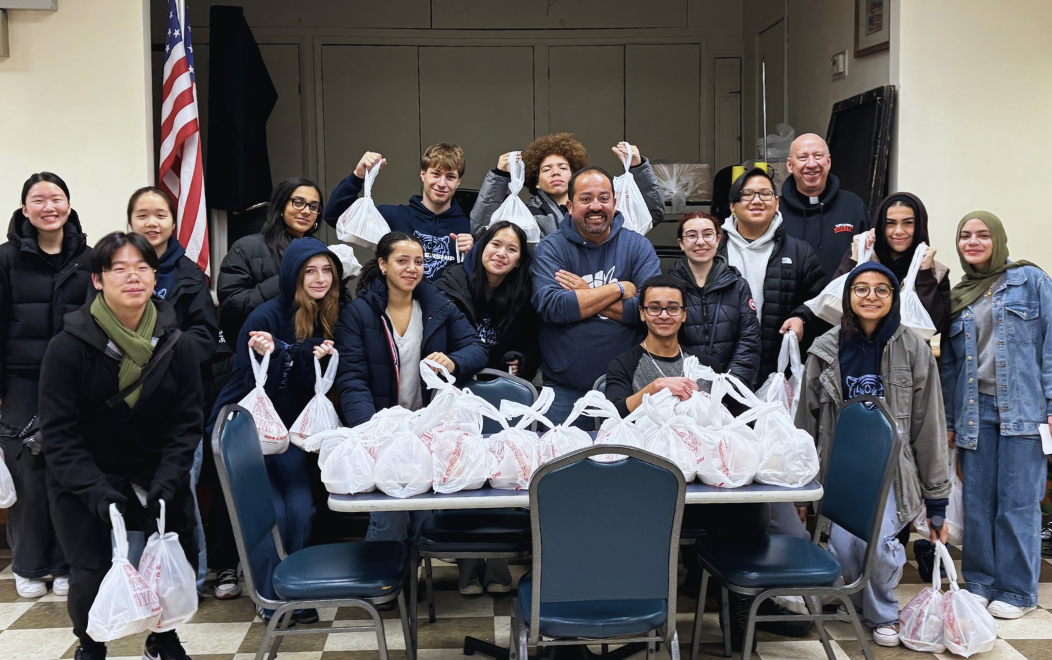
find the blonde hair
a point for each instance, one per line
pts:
(444, 156)
(310, 311)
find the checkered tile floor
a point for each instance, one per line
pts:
(229, 630)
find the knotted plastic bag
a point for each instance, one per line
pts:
(921, 621)
(706, 408)
(125, 604)
(362, 223)
(273, 436)
(788, 456)
(614, 430)
(319, 414)
(445, 405)
(167, 572)
(968, 628)
(7, 485)
(914, 316)
(382, 426)
(675, 437)
(777, 387)
(348, 466)
(828, 305)
(563, 438)
(513, 209)
(460, 458)
(514, 448)
(629, 200)
(403, 468)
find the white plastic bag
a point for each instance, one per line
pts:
(629, 200)
(675, 437)
(513, 209)
(778, 144)
(613, 431)
(348, 467)
(914, 316)
(563, 438)
(788, 456)
(350, 263)
(968, 628)
(7, 485)
(445, 405)
(722, 385)
(729, 458)
(777, 387)
(954, 523)
(921, 621)
(828, 305)
(403, 468)
(515, 449)
(460, 458)
(362, 223)
(125, 604)
(382, 426)
(319, 414)
(166, 571)
(273, 436)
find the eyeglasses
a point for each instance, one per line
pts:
(862, 290)
(299, 204)
(764, 195)
(654, 310)
(709, 236)
(121, 274)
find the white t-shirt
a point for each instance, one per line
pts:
(409, 395)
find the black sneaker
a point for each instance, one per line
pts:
(924, 553)
(164, 646)
(266, 615)
(306, 616)
(227, 584)
(83, 654)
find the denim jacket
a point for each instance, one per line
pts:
(1023, 354)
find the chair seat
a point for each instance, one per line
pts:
(369, 569)
(771, 561)
(598, 619)
(481, 531)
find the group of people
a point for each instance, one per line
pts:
(114, 369)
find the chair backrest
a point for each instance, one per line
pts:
(495, 386)
(860, 468)
(606, 531)
(246, 487)
(600, 384)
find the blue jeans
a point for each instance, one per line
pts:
(560, 409)
(199, 531)
(1004, 481)
(290, 488)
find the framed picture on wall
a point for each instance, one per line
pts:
(872, 26)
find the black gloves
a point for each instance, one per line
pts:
(102, 510)
(154, 497)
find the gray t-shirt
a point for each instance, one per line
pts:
(409, 395)
(651, 367)
(985, 341)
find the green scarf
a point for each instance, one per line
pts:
(135, 346)
(975, 282)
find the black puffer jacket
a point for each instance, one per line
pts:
(794, 276)
(247, 279)
(518, 333)
(34, 296)
(721, 319)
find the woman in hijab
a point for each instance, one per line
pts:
(1001, 329)
(900, 225)
(872, 353)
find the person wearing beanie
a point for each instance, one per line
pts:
(872, 353)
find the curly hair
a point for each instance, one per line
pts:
(559, 144)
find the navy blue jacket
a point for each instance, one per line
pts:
(413, 218)
(290, 379)
(366, 379)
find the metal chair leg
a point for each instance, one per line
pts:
(381, 637)
(815, 607)
(699, 614)
(750, 627)
(673, 647)
(284, 619)
(725, 609)
(429, 584)
(407, 628)
(414, 588)
(267, 636)
(859, 632)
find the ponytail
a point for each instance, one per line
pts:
(370, 271)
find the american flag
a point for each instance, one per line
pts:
(182, 167)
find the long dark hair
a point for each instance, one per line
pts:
(513, 290)
(275, 234)
(46, 177)
(371, 269)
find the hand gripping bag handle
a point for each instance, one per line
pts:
(120, 533)
(653, 405)
(323, 383)
(517, 169)
(909, 283)
(789, 353)
(864, 253)
(626, 158)
(260, 367)
(435, 376)
(160, 519)
(370, 177)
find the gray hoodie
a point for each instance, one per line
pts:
(751, 257)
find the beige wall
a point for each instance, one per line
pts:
(974, 102)
(76, 101)
(818, 29)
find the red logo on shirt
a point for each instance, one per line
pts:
(843, 227)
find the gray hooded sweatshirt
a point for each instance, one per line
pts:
(751, 257)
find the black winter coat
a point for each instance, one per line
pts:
(34, 297)
(91, 448)
(366, 379)
(516, 335)
(192, 302)
(721, 319)
(794, 276)
(248, 278)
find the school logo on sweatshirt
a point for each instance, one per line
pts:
(843, 227)
(438, 253)
(598, 279)
(870, 384)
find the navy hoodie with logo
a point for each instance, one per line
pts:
(413, 218)
(828, 224)
(576, 351)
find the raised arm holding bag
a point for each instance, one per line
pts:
(828, 305)
(513, 209)
(629, 199)
(362, 223)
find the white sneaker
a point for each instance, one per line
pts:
(28, 588)
(473, 588)
(984, 601)
(1003, 610)
(886, 635)
(60, 587)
